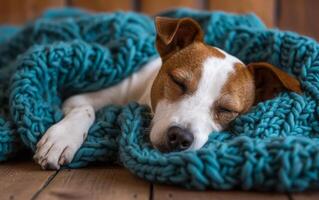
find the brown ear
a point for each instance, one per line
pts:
(176, 34)
(270, 80)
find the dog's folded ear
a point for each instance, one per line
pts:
(270, 80)
(175, 34)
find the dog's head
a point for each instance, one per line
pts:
(200, 88)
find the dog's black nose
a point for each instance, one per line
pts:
(179, 139)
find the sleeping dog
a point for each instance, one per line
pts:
(193, 89)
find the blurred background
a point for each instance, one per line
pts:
(296, 15)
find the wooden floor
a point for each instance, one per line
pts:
(25, 180)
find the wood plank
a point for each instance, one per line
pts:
(152, 7)
(305, 196)
(103, 5)
(300, 16)
(39, 6)
(22, 179)
(96, 183)
(17, 11)
(12, 11)
(162, 192)
(265, 9)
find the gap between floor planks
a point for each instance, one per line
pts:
(25, 180)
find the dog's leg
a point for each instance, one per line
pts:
(62, 140)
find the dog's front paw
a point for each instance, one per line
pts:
(58, 146)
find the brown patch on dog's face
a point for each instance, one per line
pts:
(180, 74)
(249, 85)
(236, 97)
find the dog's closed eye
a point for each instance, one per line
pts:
(181, 78)
(225, 114)
(225, 110)
(179, 82)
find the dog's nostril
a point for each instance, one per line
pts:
(179, 139)
(172, 137)
(185, 144)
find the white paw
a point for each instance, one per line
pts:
(58, 145)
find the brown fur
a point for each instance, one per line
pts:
(264, 74)
(184, 65)
(180, 44)
(176, 34)
(236, 97)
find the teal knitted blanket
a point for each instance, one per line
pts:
(64, 52)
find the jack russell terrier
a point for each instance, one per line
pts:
(193, 90)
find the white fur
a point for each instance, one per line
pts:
(194, 112)
(61, 141)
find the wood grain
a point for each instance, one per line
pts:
(154, 7)
(265, 9)
(21, 180)
(17, 11)
(103, 5)
(306, 196)
(96, 183)
(300, 16)
(162, 192)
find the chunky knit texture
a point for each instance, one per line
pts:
(273, 147)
